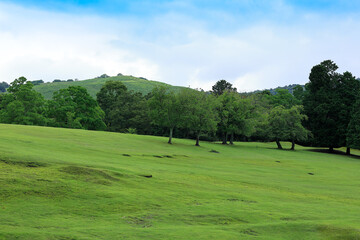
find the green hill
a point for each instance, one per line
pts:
(77, 184)
(94, 85)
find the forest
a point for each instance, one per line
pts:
(325, 113)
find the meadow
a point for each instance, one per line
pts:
(76, 184)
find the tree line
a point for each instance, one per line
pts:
(326, 113)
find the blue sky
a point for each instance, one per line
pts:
(253, 44)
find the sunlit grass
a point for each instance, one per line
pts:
(77, 184)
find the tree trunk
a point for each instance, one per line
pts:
(232, 139)
(278, 144)
(197, 139)
(331, 149)
(293, 145)
(170, 136)
(225, 138)
(347, 151)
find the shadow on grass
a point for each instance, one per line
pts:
(335, 152)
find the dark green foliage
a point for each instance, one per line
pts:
(234, 114)
(103, 76)
(321, 105)
(284, 98)
(165, 109)
(328, 103)
(73, 107)
(353, 130)
(125, 111)
(22, 104)
(3, 86)
(199, 112)
(298, 92)
(37, 82)
(222, 86)
(286, 125)
(347, 92)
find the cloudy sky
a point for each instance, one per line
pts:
(254, 44)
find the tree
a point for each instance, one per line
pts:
(22, 104)
(347, 91)
(328, 103)
(222, 86)
(284, 98)
(199, 112)
(286, 125)
(321, 107)
(353, 130)
(123, 109)
(3, 86)
(298, 92)
(165, 109)
(73, 107)
(234, 114)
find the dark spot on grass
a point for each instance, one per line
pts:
(310, 173)
(43, 180)
(248, 201)
(249, 232)
(233, 199)
(213, 219)
(214, 151)
(91, 174)
(126, 155)
(157, 156)
(167, 156)
(147, 176)
(24, 164)
(278, 161)
(143, 221)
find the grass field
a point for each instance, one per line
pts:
(93, 86)
(76, 184)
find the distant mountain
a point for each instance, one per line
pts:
(273, 90)
(93, 86)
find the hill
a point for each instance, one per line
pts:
(94, 85)
(290, 88)
(77, 184)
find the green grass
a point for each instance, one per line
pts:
(76, 184)
(93, 86)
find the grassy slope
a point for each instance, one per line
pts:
(94, 85)
(75, 184)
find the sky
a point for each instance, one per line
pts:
(253, 44)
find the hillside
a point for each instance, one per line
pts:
(77, 184)
(94, 85)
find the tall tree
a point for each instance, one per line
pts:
(222, 86)
(321, 106)
(234, 114)
(347, 91)
(165, 109)
(353, 130)
(199, 113)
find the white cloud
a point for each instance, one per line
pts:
(173, 48)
